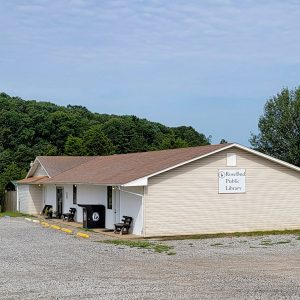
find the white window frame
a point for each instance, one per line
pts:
(231, 159)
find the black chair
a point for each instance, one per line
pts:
(70, 215)
(123, 228)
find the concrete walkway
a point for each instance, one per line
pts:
(101, 233)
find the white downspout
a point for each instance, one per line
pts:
(143, 212)
(18, 201)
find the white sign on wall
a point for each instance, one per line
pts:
(232, 181)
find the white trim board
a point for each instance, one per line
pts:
(34, 166)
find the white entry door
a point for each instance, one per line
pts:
(116, 205)
(113, 213)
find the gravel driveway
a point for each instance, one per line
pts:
(41, 263)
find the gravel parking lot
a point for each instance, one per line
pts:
(41, 263)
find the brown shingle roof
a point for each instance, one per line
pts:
(55, 165)
(124, 168)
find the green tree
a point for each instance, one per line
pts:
(279, 127)
(122, 132)
(190, 136)
(30, 128)
(172, 142)
(96, 142)
(74, 146)
(223, 141)
(44, 148)
(5, 159)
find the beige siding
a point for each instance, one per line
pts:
(30, 199)
(10, 201)
(39, 171)
(185, 200)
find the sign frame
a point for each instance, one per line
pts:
(239, 185)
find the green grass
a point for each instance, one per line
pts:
(233, 234)
(159, 248)
(266, 243)
(15, 214)
(283, 242)
(132, 244)
(217, 244)
(87, 229)
(270, 243)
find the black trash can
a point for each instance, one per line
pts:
(93, 216)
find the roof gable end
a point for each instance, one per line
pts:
(234, 145)
(37, 169)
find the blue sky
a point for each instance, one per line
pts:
(210, 64)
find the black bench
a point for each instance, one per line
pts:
(70, 215)
(123, 228)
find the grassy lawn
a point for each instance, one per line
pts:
(159, 248)
(270, 243)
(234, 234)
(14, 214)
(87, 229)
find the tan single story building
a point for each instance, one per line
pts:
(207, 189)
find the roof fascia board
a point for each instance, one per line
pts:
(29, 183)
(268, 157)
(35, 166)
(32, 168)
(138, 182)
(81, 183)
(43, 167)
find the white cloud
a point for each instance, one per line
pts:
(125, 31)
(154, 30)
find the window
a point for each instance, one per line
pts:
(231, 159)
(109, 197)
(74, 194)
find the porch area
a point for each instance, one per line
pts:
(100, 205)
(95, 233)
(112, 205)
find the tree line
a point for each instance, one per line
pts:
(32, 128)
